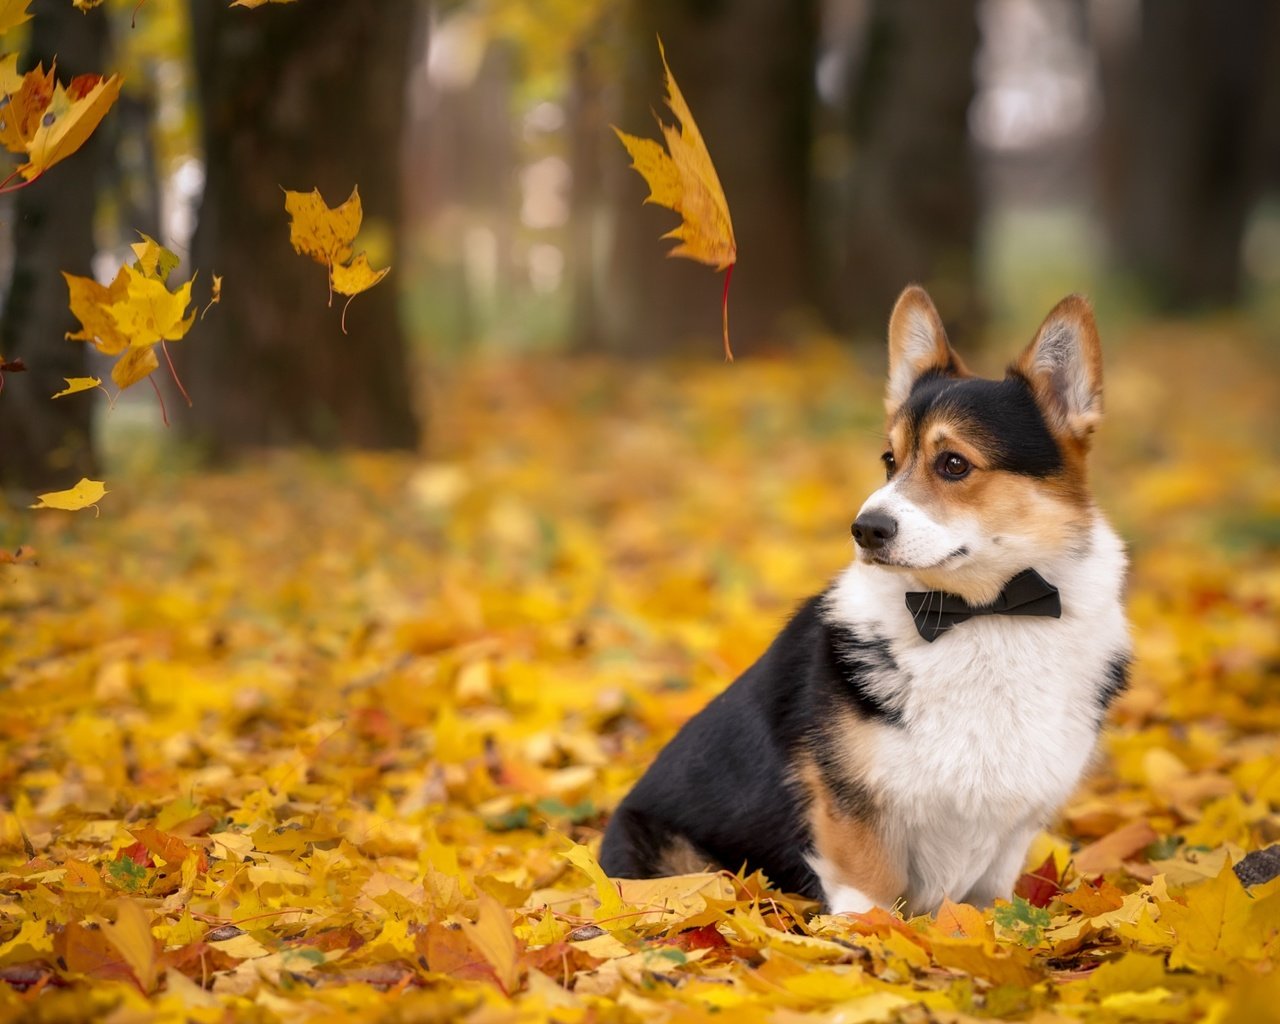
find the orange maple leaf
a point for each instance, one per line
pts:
(682, 178)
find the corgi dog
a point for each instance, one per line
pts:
(910, 730)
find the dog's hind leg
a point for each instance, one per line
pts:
(637, 845)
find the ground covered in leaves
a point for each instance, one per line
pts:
(335, 738)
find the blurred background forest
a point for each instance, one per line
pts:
(1002, 152)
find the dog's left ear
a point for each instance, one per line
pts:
(1064, 366)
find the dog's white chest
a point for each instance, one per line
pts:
(998, 726)
(999, 718)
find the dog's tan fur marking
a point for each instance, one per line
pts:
(681, 857)
(851, 845)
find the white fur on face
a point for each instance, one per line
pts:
(921, 541)
(964, 555)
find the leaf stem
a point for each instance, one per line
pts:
(164, 413)
(6, 188)
(174, 373)
(724, 308)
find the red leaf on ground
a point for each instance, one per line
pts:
(1041, 885)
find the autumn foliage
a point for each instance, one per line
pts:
(335, 739)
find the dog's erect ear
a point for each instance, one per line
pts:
(917, 345)
(1064, 366)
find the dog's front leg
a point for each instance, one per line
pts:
(998, 880)
(856, 863)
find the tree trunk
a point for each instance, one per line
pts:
(746, 69)
(588, 157)
(911, 199)
(46, 444)
(1184, 143)
(298, 96)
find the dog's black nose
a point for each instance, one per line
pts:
(874, 530)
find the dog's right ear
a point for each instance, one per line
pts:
(917, 345)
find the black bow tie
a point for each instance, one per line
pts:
(936, 611)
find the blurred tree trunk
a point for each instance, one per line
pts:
(746, 69)
(587, 155)
(1185, 142)
(135, 176)
(466, 194)
(301, 95)
(911, 202)
(45, 444)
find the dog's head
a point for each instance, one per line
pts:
(985, 478)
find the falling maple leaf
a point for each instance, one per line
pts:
(83, 495)
(683, 178)
(134, 314)
(327, 235)
(13, 13)
(66, 119)
(148, 313)
(215, 295)
(10, 366)
(153, 259)
(28, 96)
(77, 384)
(322, 232)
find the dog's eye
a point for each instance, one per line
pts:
(890, 464)
(953, 466)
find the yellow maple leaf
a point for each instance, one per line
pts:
(132, 314)
(149, 313)
(77, 384)
(135, 365)
(606, 892)
(683, 178)
(154, 260)
(91, 302)
(1220, 922)
(72, 115)
(960, 920)
(357, 276)
(84, 494)
(78, 874)
(350, 279)
(322, 233)
(13, 13)
(32, 940)
(29, 95)
(130, 934)
(10, 77)
(215, 296)
(493, 939)
(327, 236)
